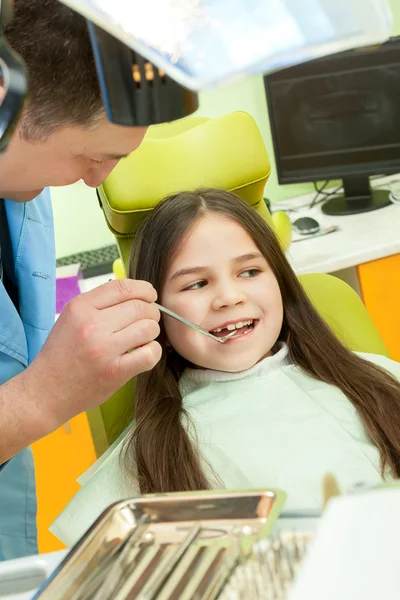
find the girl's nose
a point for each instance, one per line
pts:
(228, 294)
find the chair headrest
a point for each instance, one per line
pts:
(227, 152)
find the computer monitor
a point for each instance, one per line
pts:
(339, 118)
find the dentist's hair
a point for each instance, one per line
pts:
(64, 90)
(162, 444)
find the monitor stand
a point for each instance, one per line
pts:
(358, 198)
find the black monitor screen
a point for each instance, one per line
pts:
(337, 116)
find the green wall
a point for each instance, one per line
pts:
(79, 222)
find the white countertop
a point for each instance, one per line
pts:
(361, 238)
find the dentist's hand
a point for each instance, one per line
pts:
(102, 339)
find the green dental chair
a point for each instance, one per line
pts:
(227, 152)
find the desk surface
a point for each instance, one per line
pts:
(361, 238)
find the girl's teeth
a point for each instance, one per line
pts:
(234, 326)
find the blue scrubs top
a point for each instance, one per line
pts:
(25, 322)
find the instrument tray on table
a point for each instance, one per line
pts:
(181, 545)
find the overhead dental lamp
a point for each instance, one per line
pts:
(153, 56)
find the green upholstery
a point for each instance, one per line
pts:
(342, 309)
(227, 152)
(108, 421)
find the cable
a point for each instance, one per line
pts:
(281, 204)
(321, 191)
(317, 200)
(307, 204)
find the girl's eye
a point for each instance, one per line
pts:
(96, 162)
(250, 273)
(195, 286)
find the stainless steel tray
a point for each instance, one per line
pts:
(166, 546)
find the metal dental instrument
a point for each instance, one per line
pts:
(168, 312)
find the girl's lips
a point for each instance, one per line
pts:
(242, 336)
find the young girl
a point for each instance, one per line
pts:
(278, 405)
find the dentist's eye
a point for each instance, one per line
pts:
(195, 286)
(250, 273)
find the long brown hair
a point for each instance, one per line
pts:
(162, 444)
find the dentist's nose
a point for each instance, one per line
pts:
(95, 176)
(228, 294)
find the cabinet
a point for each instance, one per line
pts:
(60, 458)
(380, 290)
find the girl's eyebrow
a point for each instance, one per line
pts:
(194, 270)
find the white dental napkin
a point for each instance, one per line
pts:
(356, 552)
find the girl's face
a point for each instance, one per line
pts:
(219, 279)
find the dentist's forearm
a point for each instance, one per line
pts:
(24, 416)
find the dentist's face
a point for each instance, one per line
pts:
(68, 155)
(219, 279)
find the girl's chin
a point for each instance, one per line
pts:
(232, 366)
